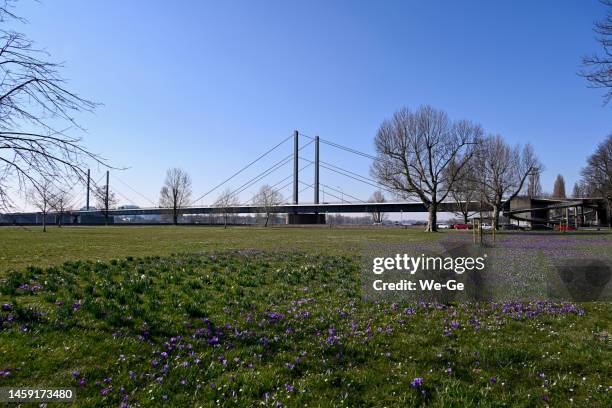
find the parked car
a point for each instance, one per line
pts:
(564, 227)
(461, 226)
(486, 226)
(443, 226)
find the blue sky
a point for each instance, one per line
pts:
(207, 86)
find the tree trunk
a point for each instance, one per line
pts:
(432, 222)
(267, 218)
(175, 216)
(496, 217)
(44, 221)
(465, 218)
(225, 221)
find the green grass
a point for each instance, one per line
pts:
(281, 323)
(21, 247)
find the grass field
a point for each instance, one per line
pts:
(20, 247)
(166, 316)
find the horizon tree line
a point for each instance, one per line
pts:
(424, 154)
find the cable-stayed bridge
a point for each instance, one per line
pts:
(298, 212)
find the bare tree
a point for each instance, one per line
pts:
(224, 202)
(105, 200)
(36, 111)
(378, 197)
(176, 192)
(60, 203)
(578, 191)
(414, 150)
(597, 175)
(559, 187)
(534, 185)
(465, 190)
(41, 196)
(598, 68)
(502, 171)
(267, 198)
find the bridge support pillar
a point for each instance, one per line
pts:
(88, 189)
(295, 167)
(296, 219)
(316, 175)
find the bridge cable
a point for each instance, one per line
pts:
(311, 186)
(242, 169)
(129, 200)
(134, 190)
(261, 175)
(354, 176)
(343, 193)
(266, 172)
(339, 146)
(362, 181)
(350, 172)
(279, 182)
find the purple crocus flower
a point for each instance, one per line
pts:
(416, 382)
(409, 311)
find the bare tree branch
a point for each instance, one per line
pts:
(224, 202)
(34, 99)
(502, 170)
(598, 67)
(176, 191)
(267, 198)
(377, 216)
(414, 151)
